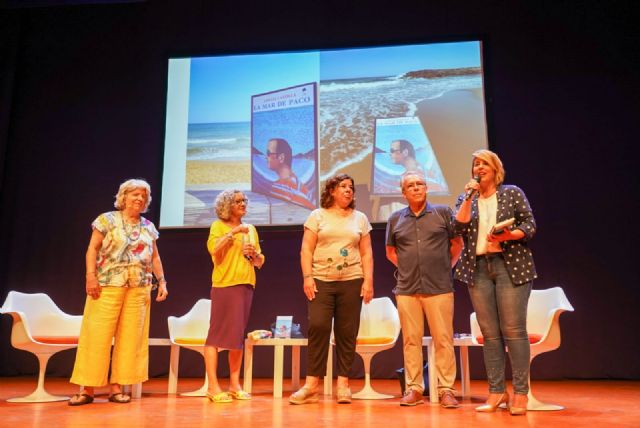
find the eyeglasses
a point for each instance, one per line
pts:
(269, 153)
(241, 201)
(392, 150)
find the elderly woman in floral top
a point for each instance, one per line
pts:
(497, 266)
(120, 261)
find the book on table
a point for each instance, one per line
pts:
(283, 326)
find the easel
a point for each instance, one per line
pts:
(382, 202)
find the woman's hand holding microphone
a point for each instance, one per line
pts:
(471, 188)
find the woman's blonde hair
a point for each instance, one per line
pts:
(223, 203)
(129, 186)
(494, 162)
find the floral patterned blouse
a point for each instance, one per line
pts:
(124, 260)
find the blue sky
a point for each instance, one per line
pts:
(392, 61)
(221, 87)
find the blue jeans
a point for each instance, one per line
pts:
(501, 310)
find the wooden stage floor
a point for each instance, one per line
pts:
(588, 404)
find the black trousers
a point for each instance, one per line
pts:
(339, 301)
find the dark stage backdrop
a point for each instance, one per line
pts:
(82, 93)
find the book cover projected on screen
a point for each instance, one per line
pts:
(284, 151)
(277, 125)
(401, 146)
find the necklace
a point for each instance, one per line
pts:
(132, 231)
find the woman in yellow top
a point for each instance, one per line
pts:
(235, 252)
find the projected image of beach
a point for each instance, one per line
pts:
(359, 86)
(219, 134)
(218, 137)
(217, 159)
(217, 153)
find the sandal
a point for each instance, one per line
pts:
(220, 397)
(240, 395)
(303, 396)
(119, 397)
(343, 395)
(81, 399)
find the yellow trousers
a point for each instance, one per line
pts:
(119, 316)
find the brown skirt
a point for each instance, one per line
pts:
(230, 307)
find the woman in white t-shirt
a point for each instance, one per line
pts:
(337, 270)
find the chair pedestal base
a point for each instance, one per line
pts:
(536, 405)
(38, 396)
(368, 393)
(533, 403)
(201, 392)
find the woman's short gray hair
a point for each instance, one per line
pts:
(223, 203)
(129, 186)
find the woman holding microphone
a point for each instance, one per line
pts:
(497, 266)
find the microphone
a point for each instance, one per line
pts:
(471, 192)
(246, 239)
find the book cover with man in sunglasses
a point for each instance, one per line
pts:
(284, 145)
(401, 146)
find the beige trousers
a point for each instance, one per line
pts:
(439, 311)
(119, 316)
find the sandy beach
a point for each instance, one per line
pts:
(208, 172)
(455, 124)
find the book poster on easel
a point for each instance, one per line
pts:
(284, 145)
(401, 146)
